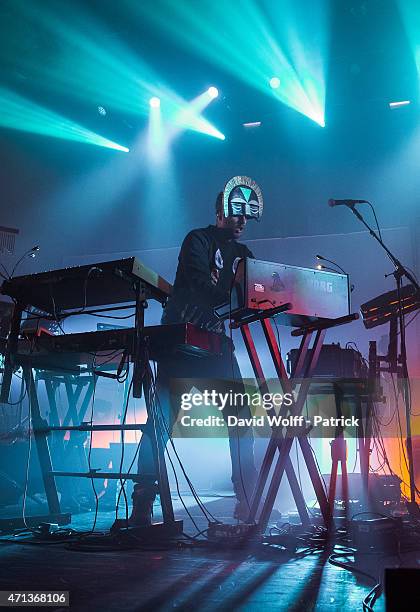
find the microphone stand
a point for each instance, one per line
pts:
(399, 272)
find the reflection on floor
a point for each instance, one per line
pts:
(158, 576)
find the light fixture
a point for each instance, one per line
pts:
(154, 102)
(400, 103)
(213, 92)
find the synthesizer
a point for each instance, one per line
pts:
(69, 351)
(264, 285)
(81, 287)
(385, 307)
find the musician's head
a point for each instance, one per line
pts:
(240, 200)
(235, 223)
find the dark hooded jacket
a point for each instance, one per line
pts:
(204, 251)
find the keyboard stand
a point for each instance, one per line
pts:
(304, 367)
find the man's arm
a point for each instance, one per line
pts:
(195, 260)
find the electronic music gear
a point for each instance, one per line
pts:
(72, 350)
(109, 282)
(263, 285)
(380, 534)
(334, 362)
(71, 291)
(385, 307)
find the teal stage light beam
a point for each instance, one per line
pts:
(287, 39)
(19, 113)
(107, 71)
(91, 64)
(157, 141)
(188, 116)
(410, 16)
(180, 115)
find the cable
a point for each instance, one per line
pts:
(410, 321)
(206, 512)
(232, 348)
(61, 317)
(121, 375)
(376, 220)
(155, 416)
(92, 480)
(372, 596)
(137, 448)
(381, 452)
(122, 482)
(179, 492)
(22, 397)
(102, 316)
(26, 484)
(7, 277)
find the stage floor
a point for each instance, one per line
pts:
(191, 578)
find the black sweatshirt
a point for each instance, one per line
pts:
(204, 251)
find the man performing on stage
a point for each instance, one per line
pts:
(206, 266)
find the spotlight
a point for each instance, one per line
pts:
(275, 83)
(154, 102)
(213, 92)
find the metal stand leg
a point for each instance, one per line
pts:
(142, 380)
(338, 455)
(288, 386)
(305, 365)
(158, 446)
(38, 423)
(273, 444)
(11, 348)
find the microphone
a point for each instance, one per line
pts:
(29, 253)
(33, 251)
(322, 267)
(332, 202)
(322, 258)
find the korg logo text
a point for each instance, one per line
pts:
(322, 286)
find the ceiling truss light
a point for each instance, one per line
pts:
(400, 103)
